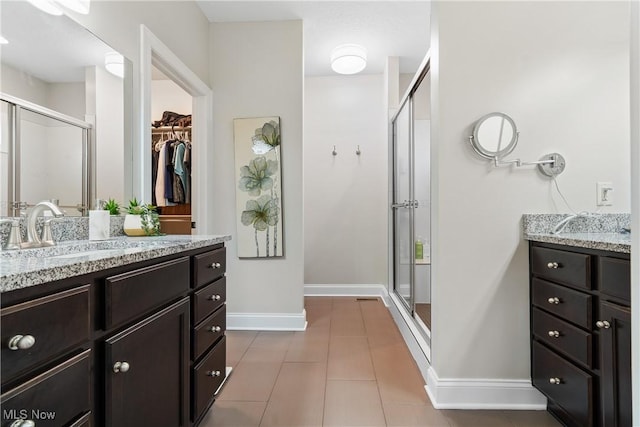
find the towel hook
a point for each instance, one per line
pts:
(358, 151)
(334, 152)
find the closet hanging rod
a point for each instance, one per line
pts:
(169, 128)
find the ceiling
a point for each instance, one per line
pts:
(384, 28)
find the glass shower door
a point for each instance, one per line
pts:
(402, 207)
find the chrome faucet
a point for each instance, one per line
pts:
(33, 240)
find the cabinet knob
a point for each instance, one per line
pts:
(553, 265)
(554, 300)
(23, 423)
(215, 329)
(213, 373)
(21, 342)
(214, 298)
(215, 265)
(554, 334)
(603, 324)
(120, 367)
(556, 381)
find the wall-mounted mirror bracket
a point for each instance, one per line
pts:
(495, 135)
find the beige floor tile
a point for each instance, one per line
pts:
(298, 396)
(353, 403)
(532, 419)
(234, 414)
(251, 381)
(308, 347)
(399, 379)
(237, 344)
(268, 347)
(403, 415)
(473, 418)
(347, 324)
(349, 359)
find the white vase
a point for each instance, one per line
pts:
(133, 225)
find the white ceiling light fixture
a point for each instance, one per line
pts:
(114, 63)
(348, 59)
(47, 6)
(80, 6)
(3, 40)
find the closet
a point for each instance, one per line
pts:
(171, 154)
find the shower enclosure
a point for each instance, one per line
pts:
(44, 155)
(411, 203)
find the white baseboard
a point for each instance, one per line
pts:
(471, 393)
(267, 321)
(364, 290)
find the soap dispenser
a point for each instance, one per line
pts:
(419, 250)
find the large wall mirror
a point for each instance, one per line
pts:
(65, 120)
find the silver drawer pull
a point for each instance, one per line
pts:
(215, 329)
(23, 423)
(556, 381)
(554, 300)
(215, 265)
(553, 265)
(120, 367)
(603, 324)
(554, 334)
(214, 298)
(21, 342)
(213, 373)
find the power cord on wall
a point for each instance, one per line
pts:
(583, 214)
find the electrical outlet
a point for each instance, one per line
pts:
(604, 194)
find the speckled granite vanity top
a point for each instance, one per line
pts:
(601, 232)
(29, 267)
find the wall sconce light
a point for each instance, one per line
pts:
(348, 59)
(114, 63)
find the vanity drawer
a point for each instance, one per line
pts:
(574, 392)
(57, 397)
(208, 332)
(209, 266)
(208, 375)
(57, 322)
(615, 277)
(560, 335)
(209, 299)
(566, 303)
(570, 268)
(134, 293)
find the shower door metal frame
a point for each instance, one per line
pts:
(16, 106)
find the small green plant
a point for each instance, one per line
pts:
(148, 216)
(112, 206)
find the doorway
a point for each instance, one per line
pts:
(411, 203)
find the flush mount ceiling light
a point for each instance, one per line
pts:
(348, 59)
(3, 40)
(52, 7)
(114, 63)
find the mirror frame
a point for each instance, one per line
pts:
(477, 146)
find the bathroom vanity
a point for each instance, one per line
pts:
(581, 326)
(125, 332)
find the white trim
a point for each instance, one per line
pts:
(347, 291)
(471, 393)
(267, 321)
(154, 52)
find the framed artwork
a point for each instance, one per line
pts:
(258, 187)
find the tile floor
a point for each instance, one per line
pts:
(349, 368)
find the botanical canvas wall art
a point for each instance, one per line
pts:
(258, 187)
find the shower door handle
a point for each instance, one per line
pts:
(404, 204)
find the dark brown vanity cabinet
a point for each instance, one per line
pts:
(137, 345)
(581, 334)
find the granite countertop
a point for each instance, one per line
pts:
(594, 231)
(29, 267)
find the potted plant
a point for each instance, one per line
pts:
(112, 206)
(141, 219)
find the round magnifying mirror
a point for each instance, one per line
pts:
(494, 135)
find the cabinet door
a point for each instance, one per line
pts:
(147, 368)
(615, 357)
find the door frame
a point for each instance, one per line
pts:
(153, 52)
